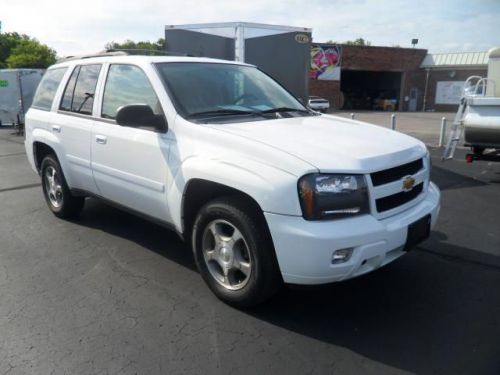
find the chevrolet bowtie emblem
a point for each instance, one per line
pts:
(408, 183)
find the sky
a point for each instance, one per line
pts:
(85, 26)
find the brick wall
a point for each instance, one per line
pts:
(405, 60)
(329, 90)
(382, 58)
(445, 75)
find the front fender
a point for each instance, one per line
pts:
(273, 189)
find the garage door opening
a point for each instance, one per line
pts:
(370, 90)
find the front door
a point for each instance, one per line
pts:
(130, 164)
(412, 105)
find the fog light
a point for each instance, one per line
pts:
(342, 255)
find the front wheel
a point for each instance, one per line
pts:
(56, 191)
(234, 253)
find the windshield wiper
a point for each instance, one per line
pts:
(223, 112)
(286, 109)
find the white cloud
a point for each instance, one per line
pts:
(75, 27)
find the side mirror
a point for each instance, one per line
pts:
(141, 116)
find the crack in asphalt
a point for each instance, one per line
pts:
(448, 257)
(13, 154)
(20, 187)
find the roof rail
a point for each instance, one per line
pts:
(98, 54)
(123, 52)
(147, 52)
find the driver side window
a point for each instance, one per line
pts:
(125, 85)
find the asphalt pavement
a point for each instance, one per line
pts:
(112, 293)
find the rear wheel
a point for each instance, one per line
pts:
(56, 191)
(234, 253)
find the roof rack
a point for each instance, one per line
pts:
(122, 52)
(98, 54)
(147, 52)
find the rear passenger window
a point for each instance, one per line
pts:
(79, 93)
(47, 88)
(127, 84)
(67, 98)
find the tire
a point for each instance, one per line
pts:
(57, 195)
(234, 252)
(478, 150)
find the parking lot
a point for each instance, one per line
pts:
(114, 294)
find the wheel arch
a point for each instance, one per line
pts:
(198, 192)
(40, 151)
(43, 143)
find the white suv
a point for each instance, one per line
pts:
(264, 190)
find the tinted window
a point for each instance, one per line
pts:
(79, 93)
(67, 98)
(47, 88)
(127, 84)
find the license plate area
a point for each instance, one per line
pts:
(417, 232)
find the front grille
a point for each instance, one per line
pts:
(396, 173)
(398, 199)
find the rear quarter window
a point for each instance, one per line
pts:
(47, 88)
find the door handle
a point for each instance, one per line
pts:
(101, 139)
(56, 128)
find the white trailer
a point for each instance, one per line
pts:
(17, 88)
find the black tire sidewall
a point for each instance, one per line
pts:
(50, 161)
(71, 206)
(257, 287)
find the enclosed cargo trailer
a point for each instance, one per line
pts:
(283, 52)
(17, 88)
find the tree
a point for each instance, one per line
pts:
(30, 53)
(159, 45)
(358, 42)
(8, 41)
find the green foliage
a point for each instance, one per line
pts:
(8, 41)
(358, 42)
(159, 45)
(31, 53)
(21, 51)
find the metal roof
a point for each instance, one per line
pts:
(253, 25)
(459, 59)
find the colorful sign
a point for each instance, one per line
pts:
(325, 62)
(4, 83)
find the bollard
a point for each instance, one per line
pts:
(352, 116)
(393, 121)
(442, 133)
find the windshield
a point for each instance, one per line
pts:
(211, 90)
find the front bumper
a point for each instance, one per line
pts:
(304, 248)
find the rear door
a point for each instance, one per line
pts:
(73, 123)
(130, 164)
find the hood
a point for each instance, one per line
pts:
(331, 143)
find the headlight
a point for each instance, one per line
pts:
(331, 196)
